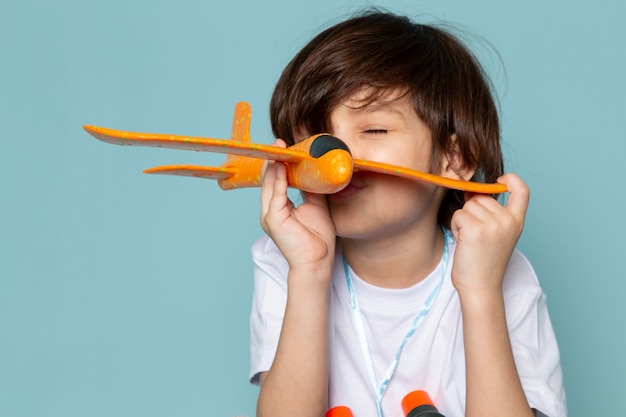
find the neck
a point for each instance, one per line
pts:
(396, 261)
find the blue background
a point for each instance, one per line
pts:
(123, 294)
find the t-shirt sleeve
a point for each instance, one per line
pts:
(268, 305)
(533, 341)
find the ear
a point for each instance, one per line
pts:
(453, 165)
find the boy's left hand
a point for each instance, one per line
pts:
(486, 233)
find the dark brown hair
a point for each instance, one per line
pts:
(383, 51)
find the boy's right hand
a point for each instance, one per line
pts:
(304, 234)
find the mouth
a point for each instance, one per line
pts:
(356, 184)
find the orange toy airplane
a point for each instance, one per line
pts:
(319, 164)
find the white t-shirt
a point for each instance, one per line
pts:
(433, 360)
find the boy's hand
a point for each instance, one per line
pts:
(304, 234)
(486, 234)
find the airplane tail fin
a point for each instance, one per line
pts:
(247, 170)
(238, 171)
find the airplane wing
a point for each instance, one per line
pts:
(196, 171)
(471, 186)
(190, 143)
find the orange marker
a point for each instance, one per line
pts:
(419, 404)
(339, 411)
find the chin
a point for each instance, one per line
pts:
(355, 227)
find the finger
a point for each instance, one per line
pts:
(267, 189)
(314, 198)
(280, 185)
(458, 221)
(279, 189)
(268, 178)
(481, 206)
(519, 194)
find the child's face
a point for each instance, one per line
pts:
(376, 205)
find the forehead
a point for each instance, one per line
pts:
(367, 101)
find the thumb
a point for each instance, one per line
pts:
(519, 194)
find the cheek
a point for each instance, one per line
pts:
(403, 198)
(413, 157)
(394, 198)
(419, 158)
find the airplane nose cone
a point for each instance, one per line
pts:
(326, 143)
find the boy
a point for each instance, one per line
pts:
(392, 285)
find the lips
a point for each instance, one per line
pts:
(357, 183)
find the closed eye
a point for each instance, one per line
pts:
(376, 131)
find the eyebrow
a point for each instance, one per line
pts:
(378, 107)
